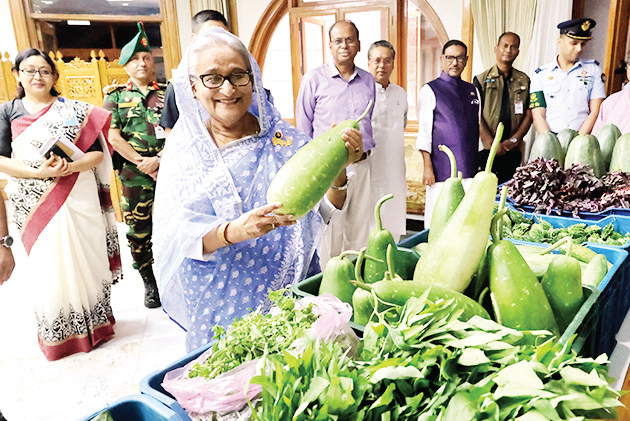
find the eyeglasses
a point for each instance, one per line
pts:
(31, 72)
(385, 61)
(460, 59)
(236, 79)
(348, 41)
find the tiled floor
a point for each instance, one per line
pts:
(33, 389)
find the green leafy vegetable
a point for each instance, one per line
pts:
(251, 336)
(528, 229)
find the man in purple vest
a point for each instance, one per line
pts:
(448, 114)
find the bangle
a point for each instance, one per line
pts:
(221, 232)
(343, 187)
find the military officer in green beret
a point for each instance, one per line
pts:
(137, 137)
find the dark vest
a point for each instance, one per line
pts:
(456, 125)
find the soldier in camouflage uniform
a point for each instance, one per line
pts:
(136, 136)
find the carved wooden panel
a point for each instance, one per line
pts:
(416, 191)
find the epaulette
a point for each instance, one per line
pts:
(111, 88)
(538, 70)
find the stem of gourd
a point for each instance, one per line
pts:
(495, 146)
(367, 109)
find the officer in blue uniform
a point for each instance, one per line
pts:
(567, 92)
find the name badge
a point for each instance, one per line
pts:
(159, 132)
(69, 118)
(518, 107)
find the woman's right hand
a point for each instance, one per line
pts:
(256, 223)
(53, 167)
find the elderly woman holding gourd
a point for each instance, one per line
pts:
(218, 245)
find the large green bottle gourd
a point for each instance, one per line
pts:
(304, 179)
(453, 258)
(607, 137)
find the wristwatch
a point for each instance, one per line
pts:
(7, 241)
(513, 140)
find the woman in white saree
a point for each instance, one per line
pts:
(61, 206)
(218, 247)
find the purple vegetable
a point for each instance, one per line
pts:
(544, 185)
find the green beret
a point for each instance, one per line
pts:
(139, 43)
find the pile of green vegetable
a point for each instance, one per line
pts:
(519, 227)
(492, 280)
(254, 334)
(430, 365)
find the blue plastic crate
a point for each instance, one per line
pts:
(621, 224)
(151, 385)
(590, 216)
(619, 211)
(138, 408)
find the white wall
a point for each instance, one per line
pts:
(184, 16)
(450, 13)
(596, 48)
(7, 36)
(248, 14)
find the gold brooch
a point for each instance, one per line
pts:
(278, 139)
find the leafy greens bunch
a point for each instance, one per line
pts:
(430, 366)
(251, 336)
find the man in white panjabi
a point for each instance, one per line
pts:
(389, 119)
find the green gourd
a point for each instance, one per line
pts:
(565, 136)
(607, 137)
(378, 242)
(336, 277)
(304, 179)
(394, 291)
(581, 253)
(449, 198)
(397, 292)
(562, 284)
(362, 306)
(453, 258)
(546, 145)
(584, 149)
(620, 158)
(595, 271)
(518, 298)
(362, 300)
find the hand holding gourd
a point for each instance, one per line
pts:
(354, 144)
(256, 223)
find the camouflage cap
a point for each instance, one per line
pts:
(139, 43)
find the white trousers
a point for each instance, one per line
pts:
(350, 228)
(431, 197)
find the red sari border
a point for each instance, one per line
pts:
(95, 122)
(78, 343)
